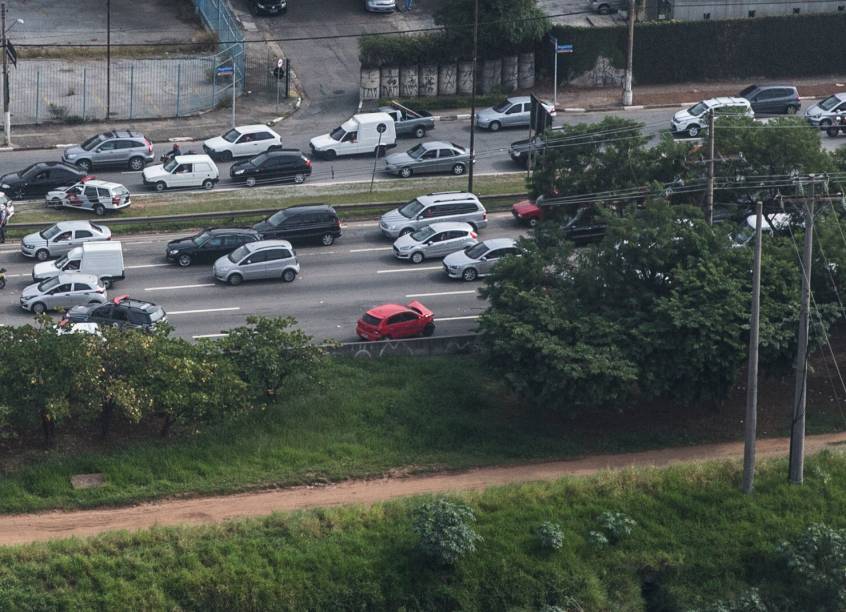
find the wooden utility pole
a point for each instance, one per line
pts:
(473, 96)
(797, 429)
(751, 422)
(709, 194)
(627, 84)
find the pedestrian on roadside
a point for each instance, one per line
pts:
(409, 4)
(4, 217)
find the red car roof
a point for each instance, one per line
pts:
(386, 310)
(525, 206)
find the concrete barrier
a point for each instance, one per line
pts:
(411, 347)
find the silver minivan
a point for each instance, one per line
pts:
(64, 291)
(479, 259)
(436, 240)
(258, 260)
(434, 208)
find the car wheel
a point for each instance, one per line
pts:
(832, 131)
(693, 131)
(469, 274)
(380, 151)
(417, 257)
(330, 154)
(208, 184)
(84, 165)
(226, 156)
(250, 182)
(419, 132)
(20, 194)
(99, 210)
(107, 283)
(406, 231)
(429, 330)
(458, 169)
(42, 254)
(825, 123)
(604, 9)
(406, 172)
(161, 186)
(2, 283)
(289, 275)
(136, 163)
(792, 110)
(55, 203)
(494, 126)
(533, 222)
(327, 239)
(235, 280)
(38, 308)
(299, 179)
(184, 260)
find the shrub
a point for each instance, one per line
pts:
(445, 531)
(816, 565)
(616, 526)
(749, 601)
(550, 536)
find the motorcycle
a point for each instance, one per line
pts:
(837, 127)
(170, 155)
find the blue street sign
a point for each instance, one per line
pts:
(564, 48)
(224, 70)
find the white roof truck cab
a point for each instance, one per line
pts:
(182, 171)
(363, 133)
(101, 259)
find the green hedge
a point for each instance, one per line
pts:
(670, 52)
(375, 51)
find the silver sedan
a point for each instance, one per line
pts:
(62, 292)
(436, 240)
(479, 259)
(429, 157)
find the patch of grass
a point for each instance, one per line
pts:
(697, 540)
(366, 418)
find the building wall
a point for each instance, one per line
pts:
(696, 10)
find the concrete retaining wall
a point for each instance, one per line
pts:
(412, 347)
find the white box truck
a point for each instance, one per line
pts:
(102, 259)
(363, 133)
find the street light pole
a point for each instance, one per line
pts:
(627, 86)
(7, 117)
(108, 58)
(473, 96)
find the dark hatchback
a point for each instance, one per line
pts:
(268, 7)
(772, 99)
(208, 246)
(121, 312)
(300, 223)
(273, 166)
(37, 179)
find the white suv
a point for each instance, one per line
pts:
(694, 120)
(243, 141)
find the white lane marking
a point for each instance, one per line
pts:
(16, 275)
(415, 295)
(131, 172)
(371, 249)
(201, 310)
(178, 287)
(414, 269)
(437, 319)
(209, 335)
(147, 266)
(302, 254)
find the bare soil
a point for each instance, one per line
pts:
(26, 528)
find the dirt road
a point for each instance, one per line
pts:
(23, 528)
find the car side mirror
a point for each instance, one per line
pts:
(483, 258)
(419, 217)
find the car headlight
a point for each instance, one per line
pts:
(239, 172)
(173, 251)
(70, 155)
(6, 186)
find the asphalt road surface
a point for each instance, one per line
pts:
(491, 148)
(336, 285)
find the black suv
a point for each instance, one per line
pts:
(302, 223)
(268, 7)
(772, 99)
(282, 165)
(121, 312)
(39, 178)
(208, 246)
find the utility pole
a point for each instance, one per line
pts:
(797, 429)
(108, 58)
(473, 96)
(751, 422)
(7, 117)
(627, 85)
(709, 194)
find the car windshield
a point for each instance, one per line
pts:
(61, 262)
(238, 254)
(200, 239)
(49, 284)
(337, 134)
(49, 232)
(171, 165)
(277, 218)
(502, 106)
(92, 142)
(411, 209)
(157, 315)
(416, 152)
(747, 91)
(697, 109)
(829, 103)
(258, 160)
(232, 135)
(476, 251)
(370, 319)
(423, 234)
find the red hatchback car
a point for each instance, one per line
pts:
(528, 212)
(392, 321)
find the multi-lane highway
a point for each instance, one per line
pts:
(335, 286)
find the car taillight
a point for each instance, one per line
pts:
(149, 146)
(474, 235)
(308, 163)
(337, 222)
(485, 216)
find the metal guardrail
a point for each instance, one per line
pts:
(254, 212)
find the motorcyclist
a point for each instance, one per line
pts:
(172, 153)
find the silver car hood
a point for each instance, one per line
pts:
(487, 113)
(223, 263)
(393, 217)
(458, 259)
(406, 242)
(30, 291)
(397, 159)
(34, 240)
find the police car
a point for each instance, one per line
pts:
(90, 194)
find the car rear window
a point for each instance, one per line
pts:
(96, 227)
(370, 319)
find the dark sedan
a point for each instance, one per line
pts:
(208, 246)
(772, 99)
(37, 179)
(273, 166)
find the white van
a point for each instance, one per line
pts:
(102, 259)
(358, 135)
(182, 171)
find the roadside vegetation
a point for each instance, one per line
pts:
(681, 538)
